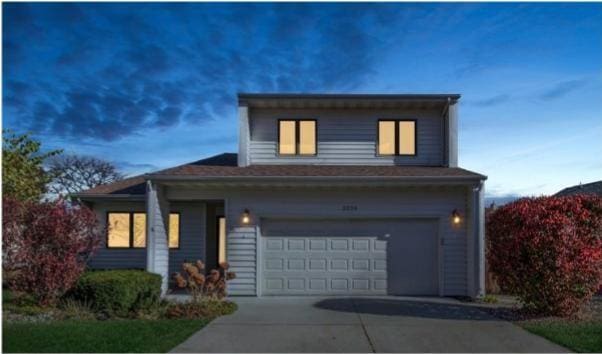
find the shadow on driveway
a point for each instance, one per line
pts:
(407, 308)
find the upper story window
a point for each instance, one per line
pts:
(128, 230)
(397, 137)
(297, 137)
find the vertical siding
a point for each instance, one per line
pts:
(157, 220)
(346, 137)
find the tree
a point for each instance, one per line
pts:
(23, 175)
(548, 251)
(73, 173)
(46, 246)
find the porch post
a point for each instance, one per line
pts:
(157, 229)
(476, 241)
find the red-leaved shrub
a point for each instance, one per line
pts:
(46, 246)
(547, 251)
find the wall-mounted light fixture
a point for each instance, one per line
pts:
(246, 217)
(456, 219)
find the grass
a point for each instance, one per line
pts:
(583, 337)
(98, 336)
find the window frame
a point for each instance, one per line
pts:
(179, 230)
(217, 219)
(397, 145)
(131, 231)
(298, 137)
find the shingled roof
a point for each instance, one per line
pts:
(224, 166)
(588, 188)
(135, 185)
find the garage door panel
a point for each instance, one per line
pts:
(331, 257)
(331, 285)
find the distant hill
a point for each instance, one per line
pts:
(588, 188)
(500, 200)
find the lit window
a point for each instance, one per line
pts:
(407, 137)
(139, 230)
(221, 239)
(297, 137)
(287, 145)
(307, 137)
(128, 230)
(386, 138)
(397, 137)
(174, 230)
(118, 230)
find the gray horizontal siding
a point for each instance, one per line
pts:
(192, 235)
(346, 137)
(192, 238)
(241, 254)
(106, 258)
(371, 203)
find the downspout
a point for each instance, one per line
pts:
(479, 227)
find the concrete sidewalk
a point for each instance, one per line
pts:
(380, 324)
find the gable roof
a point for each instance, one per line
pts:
(225, 167)
(588, 188)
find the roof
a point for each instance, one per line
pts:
(315, 100)
(135, 185)
(313, 171)
(588, 188)
(224, 167)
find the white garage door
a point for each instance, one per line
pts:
(349, 257)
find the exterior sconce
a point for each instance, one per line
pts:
(456, 219)
(246, 217)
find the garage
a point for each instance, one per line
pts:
(349, 257)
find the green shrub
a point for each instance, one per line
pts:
(118, 292)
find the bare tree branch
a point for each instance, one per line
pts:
(73, 173)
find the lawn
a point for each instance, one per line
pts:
(98, 336)
(585, 337)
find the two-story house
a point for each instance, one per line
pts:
(328, 195)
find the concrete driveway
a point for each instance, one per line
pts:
(384, 324)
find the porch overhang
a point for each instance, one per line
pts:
(314, 181)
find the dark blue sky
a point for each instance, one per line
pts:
(154, 85)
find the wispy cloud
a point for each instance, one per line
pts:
(561, 89)
(135, 168)
(491, 101)
(535, 149)
(117, 72)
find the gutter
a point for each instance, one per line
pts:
(99, 196)
(443, 96)
(372, 179)
(309, 180)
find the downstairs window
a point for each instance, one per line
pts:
(128, 230)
